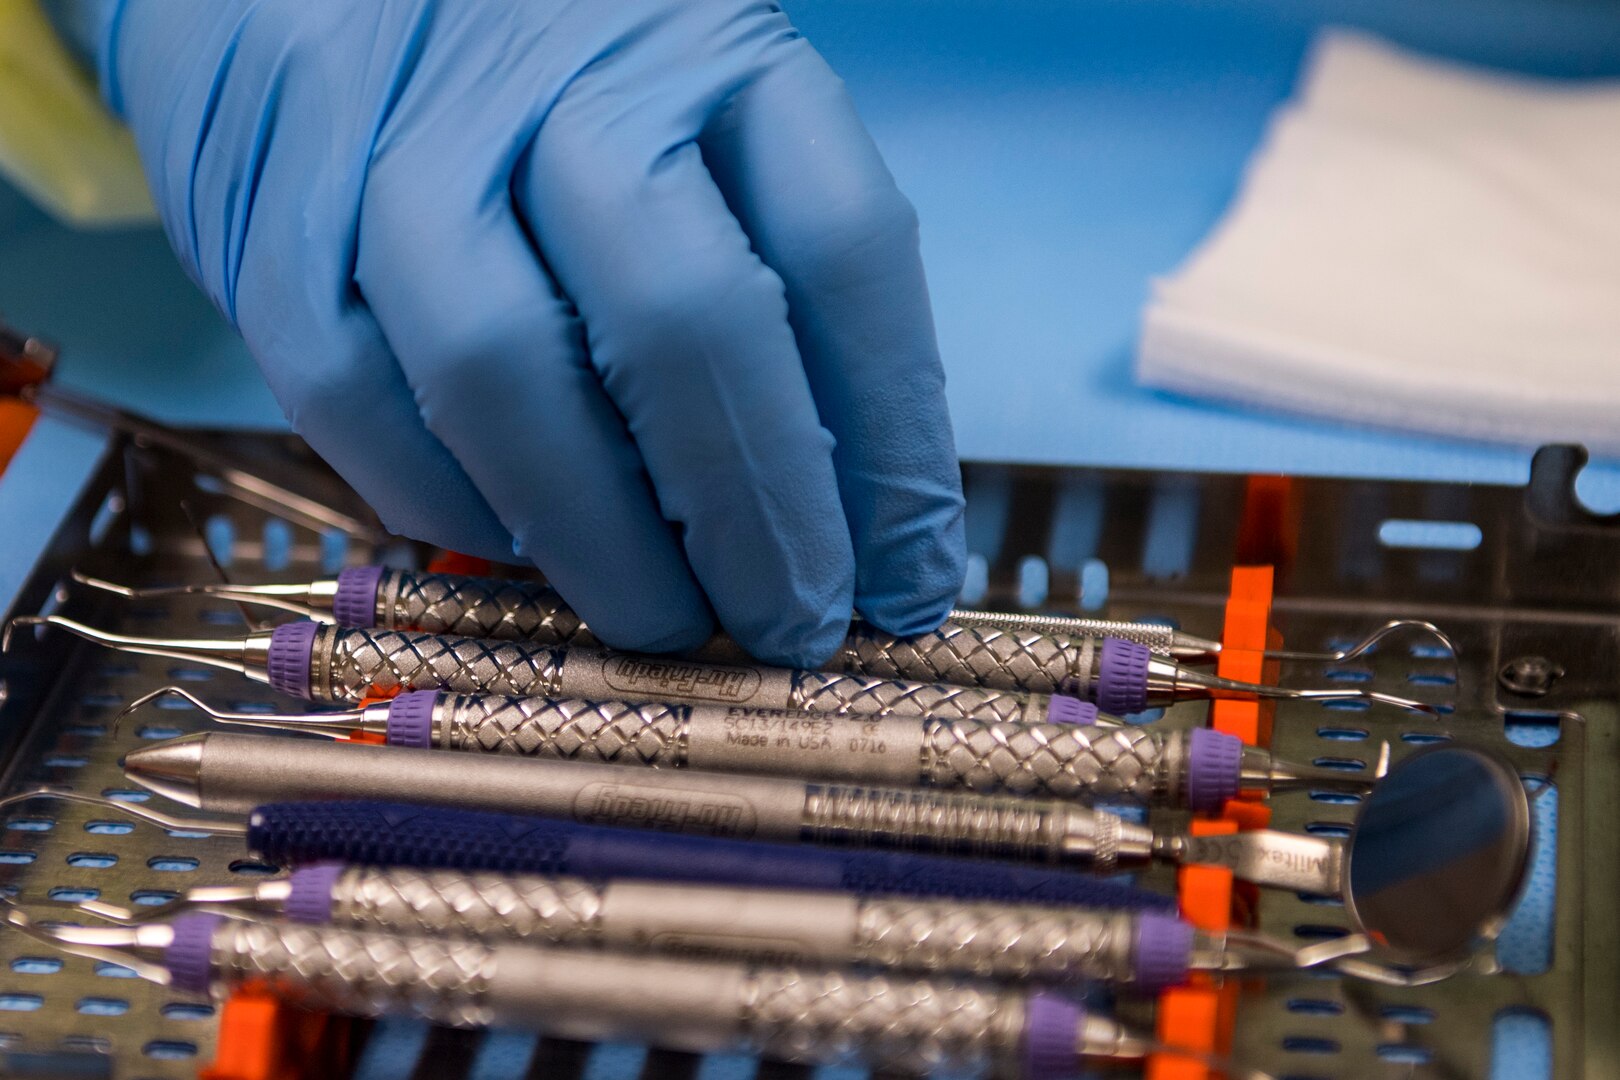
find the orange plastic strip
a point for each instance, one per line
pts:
(1189, 1016)
(1268, 530)
(1244, 638)
(1200, 1016)
(263, 1038)
(16, 420)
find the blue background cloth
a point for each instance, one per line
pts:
(1060, 154)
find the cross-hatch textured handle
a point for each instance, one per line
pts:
(989, 653)
(484, 607)
(928, 821)
(559, 911)
(611, 732)
(360, 974)
(824, 692)
(1156, 636)
(914, 1027)
(996, 657)
(391, 834)
(1064, 761)
(997, 940)
(361, 662)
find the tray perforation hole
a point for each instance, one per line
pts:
(97, 827)
(36, 965)
(65, 894)
(157, 732)
(1404, 1054)
(109, 970)
(172, 864)
(1407, 1014)
(1310, 1044)
(186, 1010)
(169, 1049)
(1341, 734)
(1532, 728)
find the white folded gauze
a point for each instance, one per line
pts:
(1417, 245)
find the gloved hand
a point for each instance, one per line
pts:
(624, 288)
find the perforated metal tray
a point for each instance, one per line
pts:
(1543, 581)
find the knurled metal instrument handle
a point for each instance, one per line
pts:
(1001, 941)
(992, 650)
(805, 1015)
(1004, 941)
(480, 607)
(616, 733)
(357, 973)
(1065, 761)
(348, 664)
(995, 657)
(831, 692)
(1156, 636)
(937, 822)
(1084, 763)
(552, 910)
(914, 1027)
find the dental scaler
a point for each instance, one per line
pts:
(1080, 761)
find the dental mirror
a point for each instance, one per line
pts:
(1438, 854)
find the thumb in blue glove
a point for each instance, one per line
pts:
(623, 288)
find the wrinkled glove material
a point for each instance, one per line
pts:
(625, 289)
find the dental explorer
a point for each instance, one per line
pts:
(328, 663)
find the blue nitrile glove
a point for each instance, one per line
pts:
(622, 287)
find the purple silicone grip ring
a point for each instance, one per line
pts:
(1214, 768)
(1067, 709)
(410, 719)
(1122, 677)
(309, 895)
(189, 955)
(1051, 1031)
(288, 662)
(1163, 951)
(355, 602)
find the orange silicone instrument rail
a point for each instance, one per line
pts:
(16, 420)
(263, 1038)
(1201, 1015)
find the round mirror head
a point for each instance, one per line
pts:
(1438, 853)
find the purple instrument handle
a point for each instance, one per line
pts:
(394, 834)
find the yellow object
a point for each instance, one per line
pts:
(58, 143)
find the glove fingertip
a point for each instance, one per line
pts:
(906, 616)
(807, 642)
(913, 585)
(666, 633)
